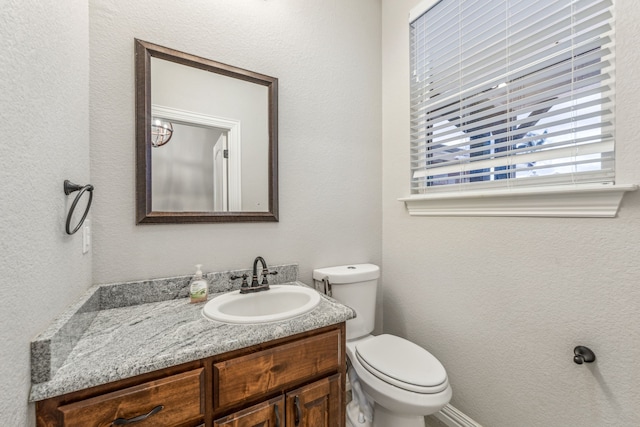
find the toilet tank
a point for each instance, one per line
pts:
(354, 286)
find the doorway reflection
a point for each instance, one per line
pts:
(191, 172)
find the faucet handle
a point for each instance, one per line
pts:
(244, 283)
(266, 272)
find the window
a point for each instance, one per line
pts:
(511, 93)
(513, 98)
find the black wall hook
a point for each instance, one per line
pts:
(70, 187)
(583, 355)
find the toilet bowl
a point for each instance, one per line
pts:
(402, 381)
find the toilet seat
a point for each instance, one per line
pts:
(402, 363)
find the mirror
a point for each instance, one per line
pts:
(206, 140)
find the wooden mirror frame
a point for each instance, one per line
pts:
(144, 212)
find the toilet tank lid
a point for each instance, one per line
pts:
(348, 273)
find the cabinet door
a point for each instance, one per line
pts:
(266, 414)
(318, 404)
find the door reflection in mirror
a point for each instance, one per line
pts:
(191, 172)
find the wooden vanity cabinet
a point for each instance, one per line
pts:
(296, 381)
(318, 404)
(308, 372)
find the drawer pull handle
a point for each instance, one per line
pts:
(275, 408)
(124, 421)
(296, 403)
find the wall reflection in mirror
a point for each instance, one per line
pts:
(207, 139)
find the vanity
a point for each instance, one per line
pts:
(139, 354)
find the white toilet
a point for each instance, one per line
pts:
(402, 380)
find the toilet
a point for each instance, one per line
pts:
(394, 382)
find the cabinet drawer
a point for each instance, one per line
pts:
(180, 398)
(273, 369)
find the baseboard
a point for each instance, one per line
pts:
(453, 417)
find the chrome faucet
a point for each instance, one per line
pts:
(255, 286)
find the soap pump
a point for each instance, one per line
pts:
(199, 289)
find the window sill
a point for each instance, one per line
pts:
(571, 201)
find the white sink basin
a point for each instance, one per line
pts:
(278, 303)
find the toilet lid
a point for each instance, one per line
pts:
(402, 363)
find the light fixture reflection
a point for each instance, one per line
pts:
(161, 132)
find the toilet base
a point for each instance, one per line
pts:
(382, 417)
(353, 416)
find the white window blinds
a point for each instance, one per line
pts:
(511, 93)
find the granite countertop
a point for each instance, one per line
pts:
(125, 341)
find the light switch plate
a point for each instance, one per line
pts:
(86, 236)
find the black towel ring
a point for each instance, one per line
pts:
(70, 187)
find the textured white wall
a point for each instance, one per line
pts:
(503, 301)
(44, 90)
(326, 55)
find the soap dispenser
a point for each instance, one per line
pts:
(199, 289)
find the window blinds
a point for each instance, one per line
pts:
(511, 93)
